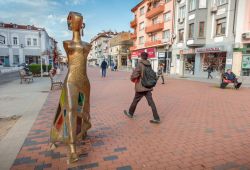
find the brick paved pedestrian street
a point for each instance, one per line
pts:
(203, 127)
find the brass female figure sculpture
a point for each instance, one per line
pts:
(72, 119)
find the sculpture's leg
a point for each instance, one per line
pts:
(71, 122)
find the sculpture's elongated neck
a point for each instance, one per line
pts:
(76, 36)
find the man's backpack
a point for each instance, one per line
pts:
(149, 77)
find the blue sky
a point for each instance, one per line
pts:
(51, 14)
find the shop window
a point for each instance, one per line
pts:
(246, 65)
(191, 31)
(167, 16)
(181, 35)
(2, 39)
(192, 4)
(201, 29)
(15, 59)
(221, 27)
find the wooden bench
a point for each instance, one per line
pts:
(225, 82)
(54, 82)
(25, 77)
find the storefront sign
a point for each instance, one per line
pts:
(229, 61)
(187, 51)
(208, 50)
(246, 62)
(150, 51)
(161, 55)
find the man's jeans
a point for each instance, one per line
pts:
(103, 72)
(137, 98)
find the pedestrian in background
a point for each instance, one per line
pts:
(160, 72)
(209, 71)
(140, 91)
(104, 66)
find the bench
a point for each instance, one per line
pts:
(25, 77)
(225, 82)
(54, 82)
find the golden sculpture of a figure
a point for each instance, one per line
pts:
(72, 119)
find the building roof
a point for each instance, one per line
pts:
(107, 34)
(23, 27)
(138, 5)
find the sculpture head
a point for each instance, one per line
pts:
(75, 21)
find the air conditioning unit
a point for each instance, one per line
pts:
(180, 20)
(214, 9)
(246, 35)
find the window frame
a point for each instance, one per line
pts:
(203, 29)
(205, 4)
(191, 31)
(15, 40)
(141, 40)
(4, 39)
(221, 22)
(28, 41)
(169, 17)
(190, 5)
(164, 34)
(181, 39)
(219, 2)
(142, 23)
(35, 41)
(142, 10)
(182, 12)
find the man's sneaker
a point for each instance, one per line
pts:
(127, 114)
(155, 121)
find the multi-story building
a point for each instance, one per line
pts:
(205, 35)
(119, 49)
(241, 57)
(100, 47)
(22, 44)
(153, 31)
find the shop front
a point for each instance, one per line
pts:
(166, 59)
(4, 61)
(189, 60)
(216, 57)
(135, 56)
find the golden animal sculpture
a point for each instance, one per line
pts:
(72, 119)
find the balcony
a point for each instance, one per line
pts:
(133, 23)
(132, 48)
(153, 43)
(133, 36)
(154, 28)
(155, 11)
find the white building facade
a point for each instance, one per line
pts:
(23, 44)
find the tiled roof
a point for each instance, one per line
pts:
(16, 26)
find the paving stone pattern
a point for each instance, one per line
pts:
(203, 127)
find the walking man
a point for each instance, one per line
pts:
(160, 72)
(209, 71)
(104, 68)
(140, 90)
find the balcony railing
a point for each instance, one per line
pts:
(155, 11)
(133, 23)
(132, 48)
(154, 28)
(133, 36)
(153, 43)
